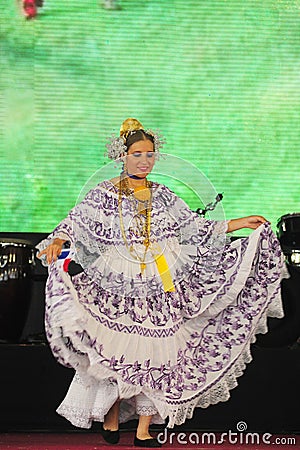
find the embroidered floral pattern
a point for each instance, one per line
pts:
(184, 348)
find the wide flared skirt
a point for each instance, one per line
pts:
(164, 354)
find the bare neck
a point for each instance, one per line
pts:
(132, 183)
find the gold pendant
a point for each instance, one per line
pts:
(141, 208)
(143, 267)
(142, 193)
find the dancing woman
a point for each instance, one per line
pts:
(161, 319)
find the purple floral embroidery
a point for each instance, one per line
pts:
(194, 335)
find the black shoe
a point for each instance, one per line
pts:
(111, 437)
(146, 443)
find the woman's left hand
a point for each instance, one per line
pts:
(252, 222)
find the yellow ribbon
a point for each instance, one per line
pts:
(163, 270)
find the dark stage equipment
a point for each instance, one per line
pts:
(16, 264)
(289, 236)
(21, 298)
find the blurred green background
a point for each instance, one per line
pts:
(219, 78)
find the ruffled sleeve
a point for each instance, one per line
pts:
(187, 238)
(84, 228)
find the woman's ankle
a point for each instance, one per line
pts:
(143, 435)
(142, 431)
(111, 420)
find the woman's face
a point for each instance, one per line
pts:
(140, 158)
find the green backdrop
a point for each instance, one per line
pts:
(219, 78)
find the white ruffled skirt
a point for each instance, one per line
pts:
(167, 353)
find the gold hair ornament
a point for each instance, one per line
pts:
(116, 146)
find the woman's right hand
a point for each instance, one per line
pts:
(53, 250)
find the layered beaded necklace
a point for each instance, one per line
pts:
(141, 197)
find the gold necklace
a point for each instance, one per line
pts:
(144, 197)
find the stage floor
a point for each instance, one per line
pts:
(188, 441)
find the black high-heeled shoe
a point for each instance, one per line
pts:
(111, 437)
(146, 443)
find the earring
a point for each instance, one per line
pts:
(124, 167)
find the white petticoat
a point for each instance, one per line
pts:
(84, 404)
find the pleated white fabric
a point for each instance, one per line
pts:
(162, 353)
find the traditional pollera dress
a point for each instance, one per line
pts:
(164, 340)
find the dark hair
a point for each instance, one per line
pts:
(136, 136)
